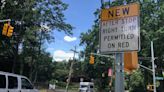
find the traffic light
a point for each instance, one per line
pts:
(5, 29)
(150, 87)
(130, 61)
(91, 61)
(10, 31)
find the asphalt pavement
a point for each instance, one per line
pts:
(56, 90)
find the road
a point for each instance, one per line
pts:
(57, 90)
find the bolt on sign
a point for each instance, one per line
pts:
(119, 29)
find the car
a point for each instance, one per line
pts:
(86, 87)
(10, 82)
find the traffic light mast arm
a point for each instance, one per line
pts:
(102, 55)
(5, 20)
(145, 67)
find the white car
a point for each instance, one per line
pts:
(10, 82)
(86, 87)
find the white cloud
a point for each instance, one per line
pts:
(70, 39)
(60, 55)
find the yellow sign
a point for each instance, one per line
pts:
(120, 12)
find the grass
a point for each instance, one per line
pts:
(73, 87)
(73, 90)
(43, 90)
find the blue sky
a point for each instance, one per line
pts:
(80, 15)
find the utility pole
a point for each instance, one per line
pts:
(153, 66)
(71, 69)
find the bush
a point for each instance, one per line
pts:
(61, 84)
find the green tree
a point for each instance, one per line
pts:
(137, 82)
(33, 22)
(151, 30)
(100, 68)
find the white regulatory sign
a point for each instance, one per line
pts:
(120, 35)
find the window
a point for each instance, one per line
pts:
(26, 84)
(13, 82)
(84, 86)
(2, 81)
(91, 86)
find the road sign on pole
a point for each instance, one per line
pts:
(119, 29)
(119, 32)
(159, 78)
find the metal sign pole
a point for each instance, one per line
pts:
(119, 72)
(153, 67)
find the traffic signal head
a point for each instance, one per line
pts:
(10, 31)
(150, 87)
(5, 29)
(91, 61)
(130, 61)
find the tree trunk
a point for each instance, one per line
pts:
(15, 57)
(21, 67)
(31, 68)
(36, 75)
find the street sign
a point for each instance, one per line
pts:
(159, 78)
(109, 72)
(119, 29)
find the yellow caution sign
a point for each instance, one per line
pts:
(120, 12)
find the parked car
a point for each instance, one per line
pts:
(86, 87)
(10, 82)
